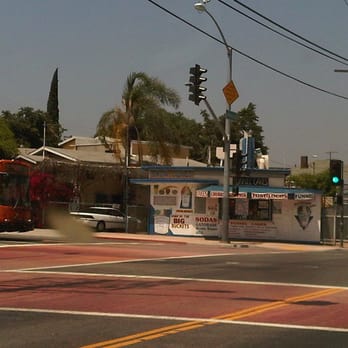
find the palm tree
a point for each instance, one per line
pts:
(143, 99)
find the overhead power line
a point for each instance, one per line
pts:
(287, 36)
(284, 28)
(248, 56)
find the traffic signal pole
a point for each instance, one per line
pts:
(221, 129)
(227, 142)
(200, 6)
(341, 205)
(341, 214)
(336, 177)
(341, 186)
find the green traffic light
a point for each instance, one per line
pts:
(336, 172)
(335, 180)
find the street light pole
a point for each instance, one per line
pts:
(200, 6)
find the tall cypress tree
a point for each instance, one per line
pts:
(52, 103)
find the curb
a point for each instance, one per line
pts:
(154, 240)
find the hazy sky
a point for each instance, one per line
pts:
(96, 44)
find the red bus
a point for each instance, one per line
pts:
(15, 208)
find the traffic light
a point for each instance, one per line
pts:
(238, 162)
(195, 87)
(336, 172)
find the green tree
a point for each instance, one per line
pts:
(52, 102)
(320, 181)
(184, 131)
(143, 99)
(211, 137)
(158, 128)
(28, 127)
(52, 119)
(8, 146)
(247, 120)
(105, 126)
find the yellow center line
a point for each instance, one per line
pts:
(171, 329)
(191, 325)
(277, 304)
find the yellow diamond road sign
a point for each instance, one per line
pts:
(230, 92)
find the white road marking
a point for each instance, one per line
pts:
(161, 317)
(207, 280)
(50, 270)
(124, 261)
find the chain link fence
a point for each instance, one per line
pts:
(334, 224)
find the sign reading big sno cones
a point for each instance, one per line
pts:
(230, 93)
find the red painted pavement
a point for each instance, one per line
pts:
(176, 298)
(20, 257)
(168, 298)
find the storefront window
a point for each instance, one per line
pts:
(200, 205)
(244, 209)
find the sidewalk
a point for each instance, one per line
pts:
(53, 236)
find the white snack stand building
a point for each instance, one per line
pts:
(187, 201)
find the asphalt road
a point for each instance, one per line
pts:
(120, 292)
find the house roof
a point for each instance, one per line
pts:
(33, 159)
(81, 149)
(37, 155)
(176, 162)
(84, 141)
(68, 155)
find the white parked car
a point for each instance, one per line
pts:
(104, 218)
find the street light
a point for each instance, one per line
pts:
(200, 7)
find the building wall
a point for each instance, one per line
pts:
(291, 221)
(106, 189)
(176, 211)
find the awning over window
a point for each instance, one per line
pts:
(258, 192)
